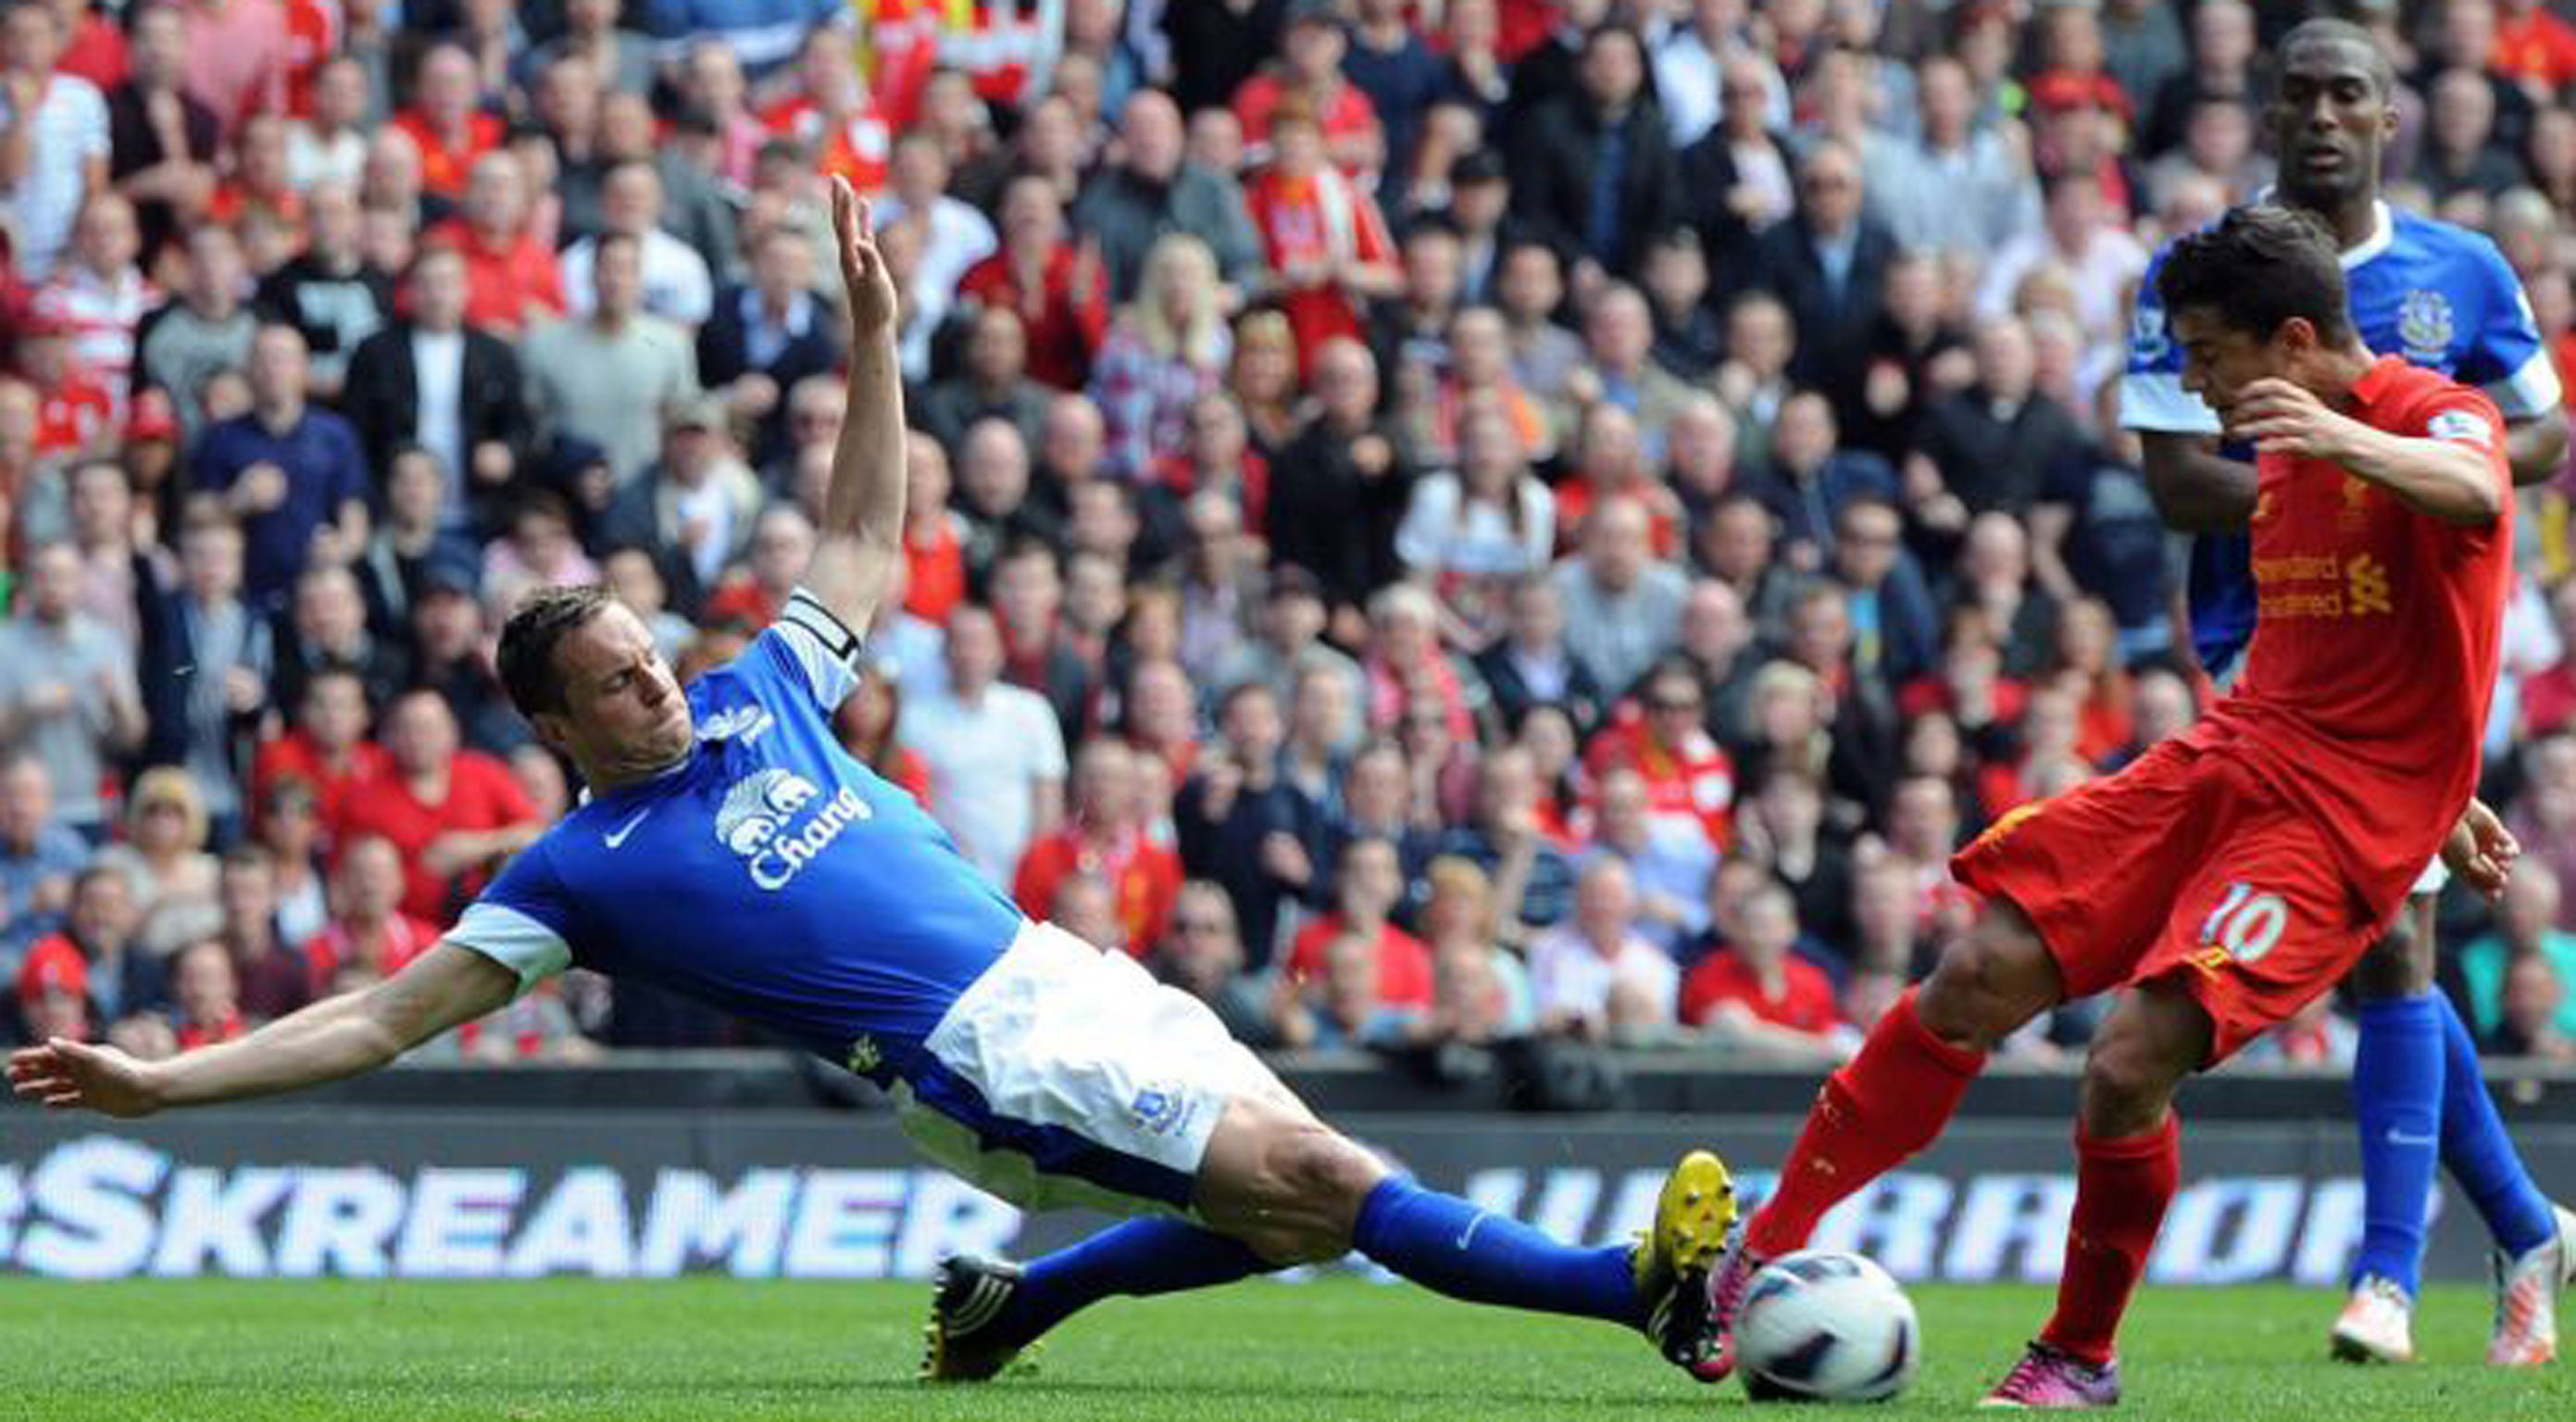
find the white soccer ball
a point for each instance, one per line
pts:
(1824, 1326)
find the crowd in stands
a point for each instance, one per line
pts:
(1430, 521)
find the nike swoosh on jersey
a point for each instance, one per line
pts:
(617, 836)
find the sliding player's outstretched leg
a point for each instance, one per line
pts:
(1892, 1099)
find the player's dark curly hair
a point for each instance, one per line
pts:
(2258, 267)
(529, 638)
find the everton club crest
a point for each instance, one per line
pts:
(2424, 329)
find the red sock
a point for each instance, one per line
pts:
(1883, 1106)
(2121, 1189)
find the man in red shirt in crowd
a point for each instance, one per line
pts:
(1757, 988)
(453, 814)
(512, 280)
(1367, 885)
(369, 937)
(2238, 870)
(1105, 837)
(1690, 779)
(328, 747)
(446, 121)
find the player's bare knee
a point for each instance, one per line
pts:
(2128, 1084)
(1326, 1171)
(1986, 986)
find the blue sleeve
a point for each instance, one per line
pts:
(524, 920)
(667, 19)
(2506, 356)
(2152, 400)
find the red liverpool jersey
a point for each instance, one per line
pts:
(2374, 656)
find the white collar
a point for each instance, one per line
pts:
(2383, 231)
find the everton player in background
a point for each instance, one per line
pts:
(730, 851)
(2241, 868)
(2443, 298)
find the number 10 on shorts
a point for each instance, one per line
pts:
(2245, 925)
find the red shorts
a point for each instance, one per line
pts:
(2185, 866)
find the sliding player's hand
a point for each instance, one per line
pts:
(64, 1074)
(2480, 851)
(2279, 417)
(863, 266)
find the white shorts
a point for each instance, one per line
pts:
(2435, 878)
(1067, 1076)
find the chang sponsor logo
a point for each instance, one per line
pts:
(778, 822)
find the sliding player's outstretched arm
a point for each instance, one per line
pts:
(862, 533)
(336, 1037)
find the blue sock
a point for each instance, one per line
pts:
(1137, 1258)
(2397, 1101)
(2478, 1152)
(1449, 1246)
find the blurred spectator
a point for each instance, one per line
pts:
(1353, 978)
(276, 976)
(57, 124)
(295, 475)
(1202, 955)
(2085, 241)
(1339, 489)
(765, 336)
(1990, 447)
(1622, 605)
(208, 661)
(1104, 836)
(993, 383)
(1470, 535)
(1828, 263)
(1529, 664)
(1593, 169)
(2461, 152)
(184, 346)
(1323, 238)
(163, 139)
(699, 501)
(369, 937)
(163, 858)
(513, 280)
(287, 821)
(2527, 926)
(454, 814)
(994, 751)
(1593, 977)
(1240, 823)
(1149, 192)
(445, 121)
(1480, 994)
(1165, 351)
(1058, 288)
(98, 296)
(39, 855)
(1533, 880)
(610, 377)
(97, 950)
(2534, 1012)
(1308, 75)
(433, 382)
(676, 284)
(1756, 992)
(1288, 644)
(67, 689)
(1957, 186)
(1811, 480)
(329, 290)
(1669, 863)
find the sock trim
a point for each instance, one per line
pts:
(2143, 1146)
(1957, 1061)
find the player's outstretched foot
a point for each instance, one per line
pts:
(2050, 1378)
(961, 1344)
(2527, 1289)
(1726, 1290)
(1673, 1261)
(2377, 1324)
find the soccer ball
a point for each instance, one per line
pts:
(1824, 1326)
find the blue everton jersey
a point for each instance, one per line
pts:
(769, 875)
(2439, 295)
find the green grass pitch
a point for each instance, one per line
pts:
(723, 1349)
